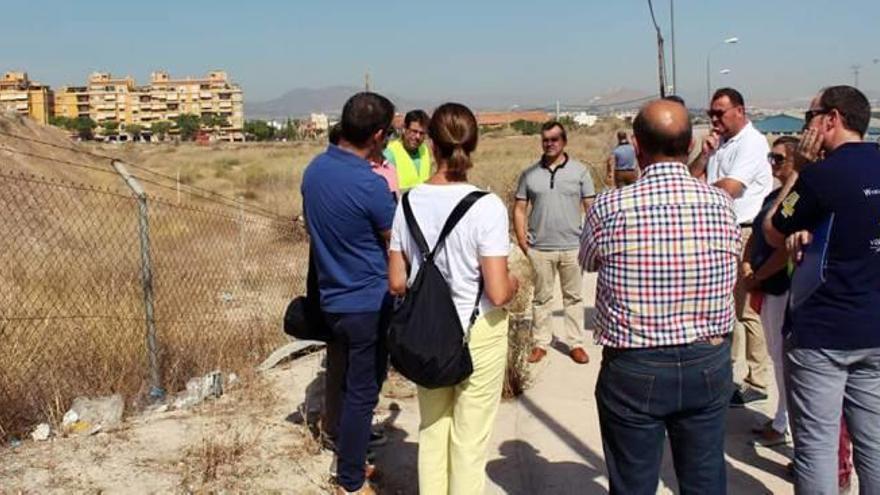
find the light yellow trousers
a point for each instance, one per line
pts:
(457, 422)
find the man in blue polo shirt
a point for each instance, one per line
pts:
(348, 214)
(833, 337)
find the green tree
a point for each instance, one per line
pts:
(160, 128)
(134, 130)
(259, 129)
(110, 127)
(84, 127)
(61, 121)
(214, 122)
(568, 122)
(526, 127)
(289, 131)
(188, 125)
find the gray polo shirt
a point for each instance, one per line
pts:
(556, 218)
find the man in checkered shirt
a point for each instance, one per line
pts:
(666, 249)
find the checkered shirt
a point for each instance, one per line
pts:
(666, 249)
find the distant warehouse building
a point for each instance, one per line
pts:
(105, 98)
(20, 95)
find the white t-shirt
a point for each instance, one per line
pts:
(744, 159)
(483, 231)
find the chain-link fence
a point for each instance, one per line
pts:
(104, 290)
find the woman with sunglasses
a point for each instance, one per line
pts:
(766, 276)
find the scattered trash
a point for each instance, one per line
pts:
(15, 443)
(41, 432)
(89, 416)
(231, 380)
(70, 417)
(200, 388)
(157, 409)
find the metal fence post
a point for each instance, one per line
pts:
(156, 390)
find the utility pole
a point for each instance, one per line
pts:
(557, 109)
(367, 81)
(855, 70)
(672, 24)
(661, 59)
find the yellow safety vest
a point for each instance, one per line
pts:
(407, 175)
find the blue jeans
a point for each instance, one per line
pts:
(643, 394)
(360, 336)
(822, 383)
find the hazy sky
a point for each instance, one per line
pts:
(535, 50)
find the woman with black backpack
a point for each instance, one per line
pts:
(448, 227)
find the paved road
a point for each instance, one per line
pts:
(548, 441)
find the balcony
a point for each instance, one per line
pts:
(206, 95)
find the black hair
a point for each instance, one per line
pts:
(554, 123)
(852, 105)
(334, 133)
(733, 95)
(419, 116)
(363, 115)
(654, 141)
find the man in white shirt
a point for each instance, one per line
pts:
(734, 158)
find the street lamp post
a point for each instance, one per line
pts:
(728, 41)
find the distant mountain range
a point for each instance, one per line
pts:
(301, 102)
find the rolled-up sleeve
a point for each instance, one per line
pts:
(590, 255)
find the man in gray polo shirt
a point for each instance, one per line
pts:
(559, 189)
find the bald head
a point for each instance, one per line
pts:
(662, 132)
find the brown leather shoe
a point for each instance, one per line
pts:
(579, 355)
(537, 355)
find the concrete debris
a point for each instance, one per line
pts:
(287, 350)
(41, 432)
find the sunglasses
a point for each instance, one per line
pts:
(776, 159)
(808, 116)
(554, 139)
(718, 113)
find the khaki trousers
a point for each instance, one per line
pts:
(457, 422)
(749, 333)
(546, 265)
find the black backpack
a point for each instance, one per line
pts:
(425, 339)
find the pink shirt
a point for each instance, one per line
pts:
(386, 170)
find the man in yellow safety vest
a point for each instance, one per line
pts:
(409, 154)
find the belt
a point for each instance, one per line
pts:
(746, 224)
(714, 340)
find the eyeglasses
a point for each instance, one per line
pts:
(808, 116)
(776, 159)
(718, 113)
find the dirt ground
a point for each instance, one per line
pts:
(253, 440)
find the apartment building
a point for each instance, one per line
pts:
(20, 95)
(105, 98)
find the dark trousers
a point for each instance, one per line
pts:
(645, 394)
(334, 384)
(359, 337)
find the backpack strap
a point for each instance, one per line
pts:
(413, 227)
(457, 213)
